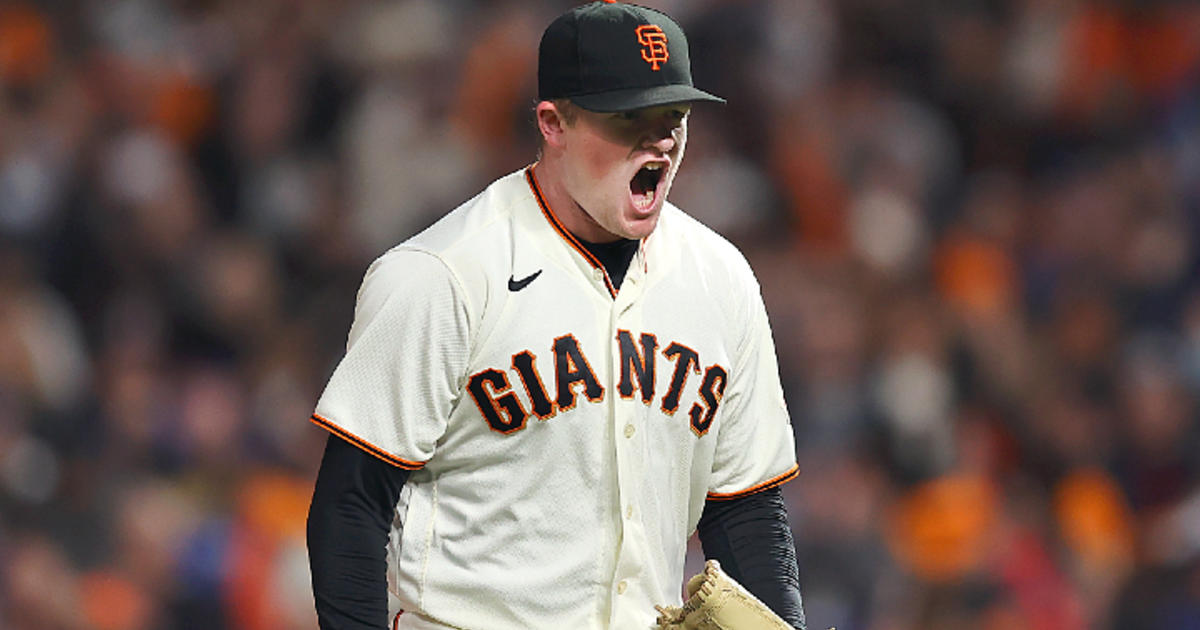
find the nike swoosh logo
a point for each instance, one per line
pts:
(517, 285)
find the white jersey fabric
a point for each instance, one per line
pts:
(563, 436)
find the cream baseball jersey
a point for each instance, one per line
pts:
(564, 436)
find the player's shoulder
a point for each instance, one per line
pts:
(455, 252)
(472, 227)
(705, 248)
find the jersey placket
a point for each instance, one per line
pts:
(628, 596)
(628, 587)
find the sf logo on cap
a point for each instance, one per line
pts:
(654, 45)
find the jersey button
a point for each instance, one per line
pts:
(629, 430)
(621, 586)
(629, 512)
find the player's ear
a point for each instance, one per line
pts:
(551, 122)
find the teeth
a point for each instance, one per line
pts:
(653, 166)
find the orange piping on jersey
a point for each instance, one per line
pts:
(791, 474)
(327, 424)
(563, 232)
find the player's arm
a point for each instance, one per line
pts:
(744, 523)
(751, 539)
(348, 525)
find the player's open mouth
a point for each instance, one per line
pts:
(644, 184)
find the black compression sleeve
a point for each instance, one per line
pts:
(751, 539)
(348, 525)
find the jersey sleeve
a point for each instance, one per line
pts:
(755, 447)
(393, 391)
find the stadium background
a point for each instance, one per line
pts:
(975, 223)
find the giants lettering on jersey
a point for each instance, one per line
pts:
(505, 413)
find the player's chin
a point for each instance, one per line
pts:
(638, 224)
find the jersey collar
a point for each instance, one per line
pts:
(556, 223)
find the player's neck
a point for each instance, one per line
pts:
(563, 205)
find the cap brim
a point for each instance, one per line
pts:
(637, 98)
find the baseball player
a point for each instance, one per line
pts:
(546, 392)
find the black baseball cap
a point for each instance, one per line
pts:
(614, 57)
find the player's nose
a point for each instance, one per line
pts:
(661, 136)
(661, 143)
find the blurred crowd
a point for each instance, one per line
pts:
(976, 224)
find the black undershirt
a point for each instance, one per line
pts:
(615, 257)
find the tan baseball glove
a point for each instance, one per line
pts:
(717, 602)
